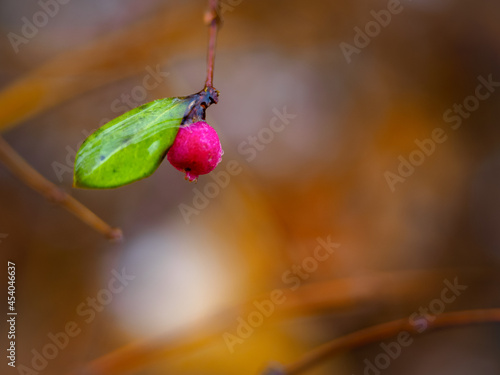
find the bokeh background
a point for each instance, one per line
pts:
(323, 176)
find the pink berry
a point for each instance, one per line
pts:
(196, 150)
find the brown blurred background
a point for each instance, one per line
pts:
(323, 176)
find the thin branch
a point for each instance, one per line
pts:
(134, 356)
(104, 60)
(384, 331)
(19, 167)
(309, 298)
(212, 19)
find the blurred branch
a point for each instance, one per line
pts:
(106, 60)
(19, 167)
(139, 354)
(119, 55)
(310, 298)
(384, 331)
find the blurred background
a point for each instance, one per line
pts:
(321, 147)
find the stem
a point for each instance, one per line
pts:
(384, 331)
(19, 167)
(213, 20)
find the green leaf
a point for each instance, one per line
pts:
(131, 146)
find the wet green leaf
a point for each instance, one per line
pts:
(131, 146)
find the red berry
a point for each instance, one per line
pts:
(196, 150)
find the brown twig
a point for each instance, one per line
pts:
(36, 181)
(130, 358)
(103, 61)
(212, 18)
(384, 331)
(310, 298)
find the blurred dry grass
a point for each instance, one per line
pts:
(322, 176)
